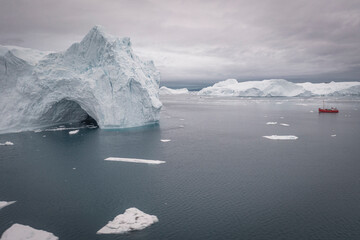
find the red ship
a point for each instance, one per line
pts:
(328, 110)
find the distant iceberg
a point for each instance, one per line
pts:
(20, 232)
(99, 77)
(7, 143)
(169, 91)
(132, 219)
(281, 88)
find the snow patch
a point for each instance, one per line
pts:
(23, 232)
(132, 219)
(134, 160)
(281, 137)
(4, 203)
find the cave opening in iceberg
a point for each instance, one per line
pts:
(66, 111)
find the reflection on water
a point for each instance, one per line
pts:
(221, 179)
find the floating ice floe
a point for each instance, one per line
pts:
(134, 160)
(7, 143)
(4, 203)
(73, 132)
(271, 123)
(23, 232)
(285, 124)
(165, 140)
(334, 135)
(132, 219)
(281, 137)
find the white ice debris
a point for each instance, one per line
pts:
(74, 132)
(271, 123)
(334, 135)
(7, 143)
(132, 219)
(24, 232)
(99, 77)
(280, 88)
(169, 91)
(4, 203)
(281, 137)
(165, 140)
(134, 160)
(285, 124)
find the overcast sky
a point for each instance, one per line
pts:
(307, 40)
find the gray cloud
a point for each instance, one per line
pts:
(303, 40)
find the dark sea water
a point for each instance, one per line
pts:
(221, 179)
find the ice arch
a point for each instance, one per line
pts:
(66, 111)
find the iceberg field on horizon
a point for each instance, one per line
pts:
(132, 219)
(100, 77)
(22, 232)
(280, 88)
(170, 91)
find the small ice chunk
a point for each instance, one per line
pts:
(22, 232)
(271, 123)
(4, 203)
(311, 111)
(282, 117)
(132, 219)
(281, 137)
(74, 168)
(37, 131)
(73, 132)
(134, 160)
(284, 124)
(7, 143)
(181, 119)
(334, 135)
(165, 140)
(181, 126)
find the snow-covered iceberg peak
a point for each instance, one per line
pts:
(280, 88)
(100, 77)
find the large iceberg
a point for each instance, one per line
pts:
(280, 88)
(100, 77)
